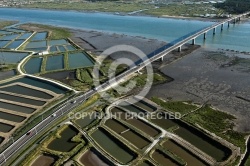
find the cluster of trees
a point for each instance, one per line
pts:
(235, 6)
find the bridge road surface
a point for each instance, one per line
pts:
(68, 106)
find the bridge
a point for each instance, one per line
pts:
(178, 43)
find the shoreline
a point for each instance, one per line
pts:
(124, 14)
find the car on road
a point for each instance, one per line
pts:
(28, 133)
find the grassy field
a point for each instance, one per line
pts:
(6, 23)
(55, 32)
(184, 10)
(174, 106)
(126, 7)
(108, 6)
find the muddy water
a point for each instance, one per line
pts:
(139, 124)
(44, 160)
(163, 159)
(85, 121)
(113, 146)
(5, 127)
(65, 140)
(21, 100)
(135, 138)
(183, 153)
(203, 142)
(93, 158)
(16, 108)
(11, 117)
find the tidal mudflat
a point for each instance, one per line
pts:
(218, 77)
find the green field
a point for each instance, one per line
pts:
(108, 6)
(176, 9)
(175, 106)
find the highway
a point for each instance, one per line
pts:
(71, 104)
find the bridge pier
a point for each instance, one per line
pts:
(222, 25)
(162, 58)
(179, 49)
(193, 41)
(234, 20)
(205, 35)
(228, 23)
(214, 31)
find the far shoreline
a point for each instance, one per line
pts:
(204, 19)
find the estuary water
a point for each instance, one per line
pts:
(166, 29)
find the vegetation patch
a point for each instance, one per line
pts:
(175, 106)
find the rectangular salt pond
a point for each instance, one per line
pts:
(39, 36)
(58, 42)
(17, 108)
(26, 91)
(21, 100)
(37, 44)
(61, 48)
(70, 48)
(55, 62)
(12, 57)
(25, 36)
(15, 44)
(37, 49)
(11, 117)
(3, 43)
(15, 30)
(113, 146)
(10, 37)
(5, 127)
(2, 32)
(53, 49)
(34, 82)
(78, 60)
(33, 65)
